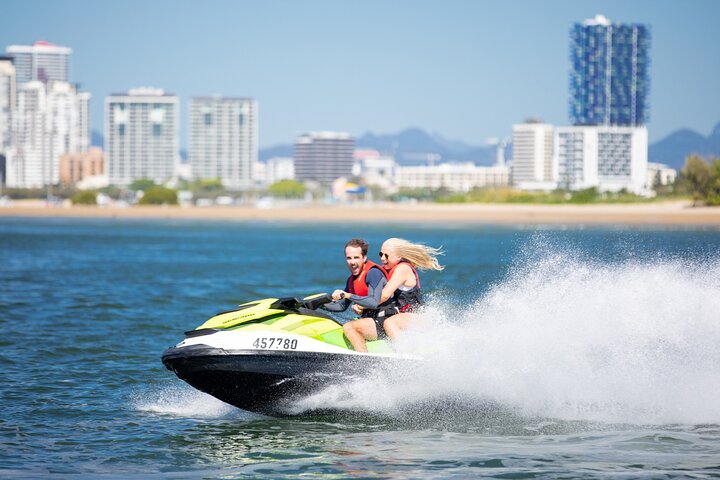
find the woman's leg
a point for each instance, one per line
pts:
(398, 322)
(357, 331)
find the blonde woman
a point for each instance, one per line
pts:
(400, 295)
(402, 259)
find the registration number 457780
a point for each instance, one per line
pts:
(275, 343)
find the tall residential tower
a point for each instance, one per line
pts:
(41, 61)
(532, 153)
(223, 139)
(610, 68)
(7, 110)
(141, 136)
(50, 120)
(606, 148)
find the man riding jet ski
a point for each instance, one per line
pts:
(265, 354)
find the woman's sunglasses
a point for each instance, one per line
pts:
(384, 255)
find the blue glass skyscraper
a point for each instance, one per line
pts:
(609, 80)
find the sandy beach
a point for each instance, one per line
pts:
(669, 213)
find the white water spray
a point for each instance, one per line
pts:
(184, 401)
(634, 342)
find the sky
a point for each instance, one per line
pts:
(466, 70)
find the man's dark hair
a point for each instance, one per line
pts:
(358, 242)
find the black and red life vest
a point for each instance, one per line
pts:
(404, 300)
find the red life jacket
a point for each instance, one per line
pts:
(357, 285)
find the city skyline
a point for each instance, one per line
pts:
(466, 70)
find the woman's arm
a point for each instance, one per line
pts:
(399, 277)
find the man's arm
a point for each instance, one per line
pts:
(375, 283)
(337, 306)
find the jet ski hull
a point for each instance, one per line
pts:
(264, 381)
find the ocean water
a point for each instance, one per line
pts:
(551, 352)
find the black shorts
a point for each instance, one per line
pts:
(379, 326)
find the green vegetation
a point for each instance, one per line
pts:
(141, 184)
(112, 191)
(207, 187)
(701, 179)
(159, 196)
(59, 191)
(510, 195)
(85, 197)
(287, 189)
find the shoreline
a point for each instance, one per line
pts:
(669, 213)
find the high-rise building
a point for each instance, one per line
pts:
(7, 109)
(223, 139)
(41, 61)
(607, 157)
(323, 156)
(141, 135)
(532, 155)
(610, 68)
(51, 120)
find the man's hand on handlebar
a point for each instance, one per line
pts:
(339, 294)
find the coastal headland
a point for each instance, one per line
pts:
(665, 213)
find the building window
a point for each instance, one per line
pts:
(241, 119)
(208, 119)
(157, 129)
(121, 129)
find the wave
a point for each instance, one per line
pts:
(184, 401)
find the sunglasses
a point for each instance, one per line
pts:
(384, 255)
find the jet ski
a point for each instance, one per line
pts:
(266, 354)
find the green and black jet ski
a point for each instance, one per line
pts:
(265, 354)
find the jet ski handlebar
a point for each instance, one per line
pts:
(316, 302)
(293, 303)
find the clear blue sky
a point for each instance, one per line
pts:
(467, 70)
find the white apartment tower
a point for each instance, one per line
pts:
(51, 120)
(323, 156)
(532, 155)
(41, 61)
(610, 158)
(223, 140)
(7, 103)
(141, 136)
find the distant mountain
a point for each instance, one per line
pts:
(673, 149)
(412, 146)
(266, 154)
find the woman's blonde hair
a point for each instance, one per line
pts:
(421, 256)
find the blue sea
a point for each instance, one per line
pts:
(551, 352)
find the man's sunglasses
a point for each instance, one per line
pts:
(384, 255)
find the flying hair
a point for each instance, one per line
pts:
(421, 256)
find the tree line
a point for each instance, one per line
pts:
(701, 179)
